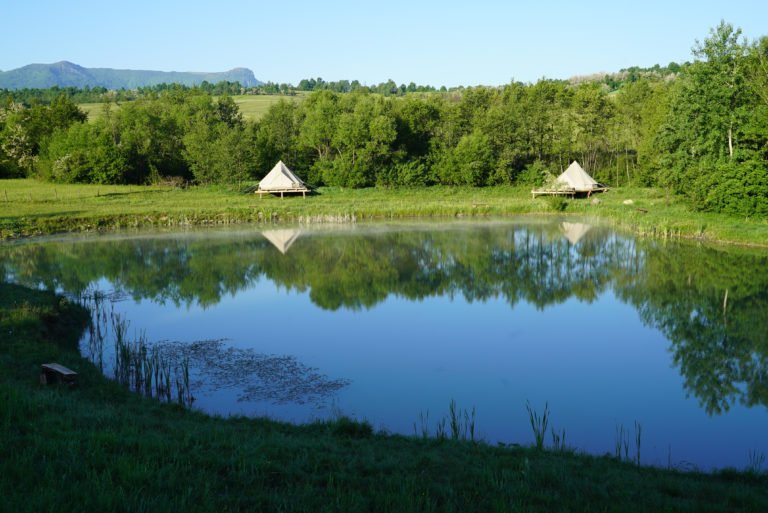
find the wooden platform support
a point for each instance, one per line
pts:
(563, 192)
(566, 192)
(283, 191)
(54, 373)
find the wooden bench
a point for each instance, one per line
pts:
(55, 373)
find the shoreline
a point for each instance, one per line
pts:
(36, 209)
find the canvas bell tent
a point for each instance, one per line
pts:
(572, 181)
(281, 180)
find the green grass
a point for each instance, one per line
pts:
(98, 447)
(29, 207)
(253, 107)
(94, 110)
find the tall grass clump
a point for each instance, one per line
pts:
(137, 365)
(146, 370)
(756, 459)
(459, 424)
(538, 423)
(557, 203)
(462, 422)
(558, 440)
(622, 443)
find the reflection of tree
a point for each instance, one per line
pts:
(711, 304)
(350, 270)
(713, 307)
(177, 269)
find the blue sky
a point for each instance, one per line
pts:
(428, 42)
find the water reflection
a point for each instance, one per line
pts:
(282, 239)
(710, 303)
(574, 231)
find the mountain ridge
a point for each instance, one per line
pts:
(69, 74)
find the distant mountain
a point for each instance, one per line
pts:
(67, 74)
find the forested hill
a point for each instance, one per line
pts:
(67, 74)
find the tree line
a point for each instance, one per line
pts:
(699, 130)
(30, 96)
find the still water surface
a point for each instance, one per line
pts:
(389, 323)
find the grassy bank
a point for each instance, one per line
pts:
(31, 208)
(97, 447)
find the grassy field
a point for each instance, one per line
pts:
(98, 447)
(30, 208)
(252, 106)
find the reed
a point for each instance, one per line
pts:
(422, 429)
(441, 431)
(538, 423)
(145, 369)
(622, 444)
(558, 441)
(458, 425)
(756, 459)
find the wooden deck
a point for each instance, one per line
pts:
(281, 192)
(565, 192)
(561, 192)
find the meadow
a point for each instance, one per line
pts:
(30, 207)
(253, 107)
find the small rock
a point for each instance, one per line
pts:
(628, 202)
(595, 201)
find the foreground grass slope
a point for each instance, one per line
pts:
(28, 207)
(100, 448)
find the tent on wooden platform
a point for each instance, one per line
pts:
(281, 180)
(572, 181)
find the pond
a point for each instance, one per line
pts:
(616, 338)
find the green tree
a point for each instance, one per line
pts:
(362, 141)
(320, 117)
(276, 137)
(714, 138)
(83, 153)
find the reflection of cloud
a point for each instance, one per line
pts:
(574, 231)
(258, 376)
(282, 239)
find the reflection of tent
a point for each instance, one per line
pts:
(281, 239)
(574, 231)
(572, 181)
(281, 180)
